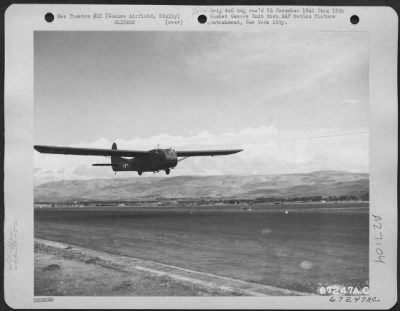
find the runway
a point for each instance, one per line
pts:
(299, 251)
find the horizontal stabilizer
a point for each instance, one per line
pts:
(102, 164)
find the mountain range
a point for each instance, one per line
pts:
(320, 183)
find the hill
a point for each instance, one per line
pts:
(285, 186)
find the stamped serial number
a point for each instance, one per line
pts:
(349, 290)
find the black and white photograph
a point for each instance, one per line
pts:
(226, 155)
(224, 163)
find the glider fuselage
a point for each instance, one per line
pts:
(157, 160)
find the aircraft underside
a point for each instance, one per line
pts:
(155, 163)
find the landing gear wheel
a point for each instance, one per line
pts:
(140, 173)
(167, 171)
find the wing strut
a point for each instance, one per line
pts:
(184, 158)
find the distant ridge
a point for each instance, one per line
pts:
(319, 183)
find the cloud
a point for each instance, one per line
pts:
(304, 59)
(267, 150)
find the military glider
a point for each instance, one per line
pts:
(154, 160)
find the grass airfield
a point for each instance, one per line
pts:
(299, 247)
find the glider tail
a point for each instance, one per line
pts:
(115, 160)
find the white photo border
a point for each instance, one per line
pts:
(21, 20)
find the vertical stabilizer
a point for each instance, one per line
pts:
(115, 160)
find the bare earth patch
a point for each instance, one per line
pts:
(58, 276)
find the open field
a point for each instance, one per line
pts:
(65, 269)
(299, 250)
(56, 275)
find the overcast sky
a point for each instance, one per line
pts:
(289, 99)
